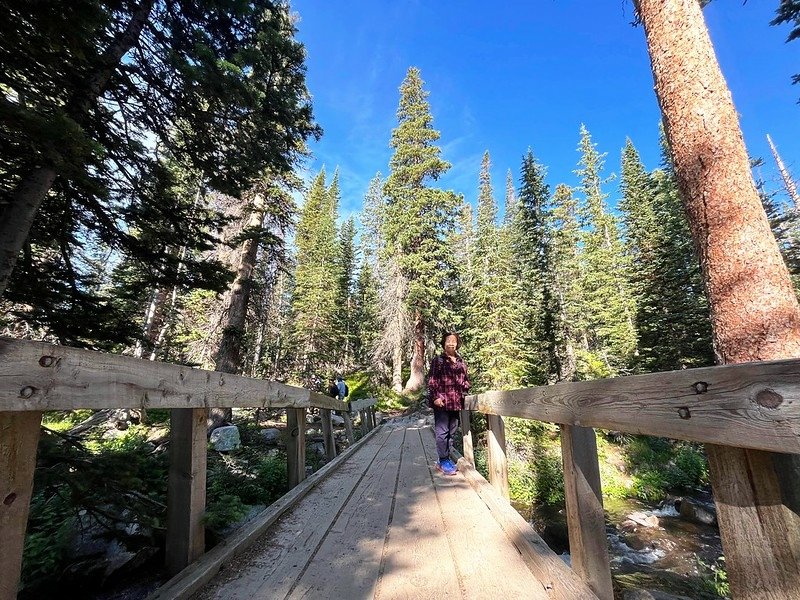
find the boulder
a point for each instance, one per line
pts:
(271, 435)
(644, 520)
(698, 512)
(337, 420)
(225, 439)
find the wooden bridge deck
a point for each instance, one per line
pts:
(385, 524)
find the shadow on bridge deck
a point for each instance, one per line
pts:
(385, 524)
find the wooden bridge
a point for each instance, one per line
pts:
(378, 521)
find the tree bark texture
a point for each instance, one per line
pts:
(416, 378)
(17, 217)
(754, 310)
(228, 358)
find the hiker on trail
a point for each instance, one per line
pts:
(344, 391)
(333, 389)
(447, 384)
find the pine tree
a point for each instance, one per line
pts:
(570, 336)
(493, 314)
(530, 242)
(609, 303)
(365, 314)
(672, 318)
(417, 218)
(344, 300)
(315, 290)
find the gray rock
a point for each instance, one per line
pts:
(337, 420)
(698, 512)
(319, 448)
(225, 439)
(651, 595)
(271, 436)
(644, 520)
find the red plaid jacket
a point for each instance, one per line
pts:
(447, 380)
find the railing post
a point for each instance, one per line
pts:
(588, 545)
(498, 464)
(466, 432)
(364, 424)
(348, 427)
(186, 492)
(296, 445)
(327, 433)
(19, 437)
(372, 420)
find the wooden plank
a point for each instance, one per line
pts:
(756, 527)
(359, 405)
(296, 445)
(275, 563)
(39, 376)
(588, 545)
(558, 579)
(347, 562)
(196, 575)
(186, 493)
(487, 562)
(19, 437)
(327, 434)
(348, 427)
(362, 415)
(417, 561)
(466, 430)
(751, 405)
(496, 447)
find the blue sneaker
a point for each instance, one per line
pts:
(447, 467)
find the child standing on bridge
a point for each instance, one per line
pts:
(447, 384)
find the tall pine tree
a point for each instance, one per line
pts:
(417, 219)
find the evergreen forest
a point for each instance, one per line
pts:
(154, 202)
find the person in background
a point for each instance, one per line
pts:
(448, 382)
(333, 389)
(344, 391)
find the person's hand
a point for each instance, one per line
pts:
(438, 402)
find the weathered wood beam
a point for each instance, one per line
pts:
(466, 433)
(359, 405)
(498, 462)
(588, 545)
(348, 427)
(186, 493)
(750, 405)
(39, 376)
(19, 437)
(296, 445)
(327, 434)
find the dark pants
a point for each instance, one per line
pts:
(445, 423)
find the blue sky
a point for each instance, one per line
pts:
(510, 75)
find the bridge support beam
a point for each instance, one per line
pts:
(19, 437)
(588, 545)
(466, 434)
(296, 445)
(498, 463)
(186, 494)
(327, 433)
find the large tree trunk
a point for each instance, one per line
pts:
(754, 311)
(228, 358)
(17, 217)
(417, 377)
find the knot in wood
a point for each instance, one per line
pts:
(701, 387)
(8, 500)
(769, 398)
(27, 391)
(683, 412)
(47, 361)
(221, 380)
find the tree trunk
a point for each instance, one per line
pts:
(417, 377)
(397, 367)
(17, 217)
(754, 310)
(228, 358)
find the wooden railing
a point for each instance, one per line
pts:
(37, 377)
(752, 405)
